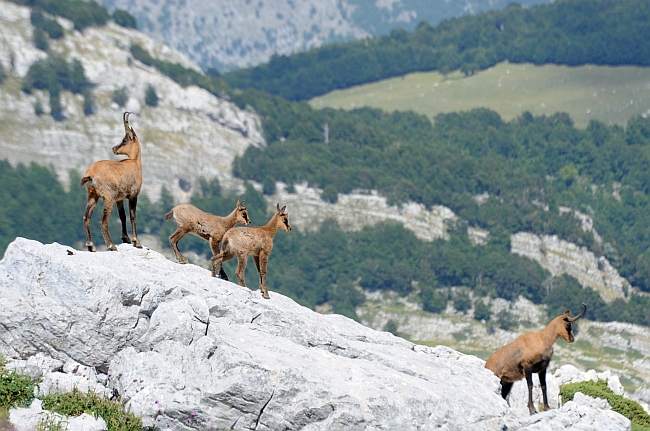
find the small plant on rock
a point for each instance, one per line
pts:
(76, 402)
(15, 389)
(628, 408)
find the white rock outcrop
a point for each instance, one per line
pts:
(188, 351)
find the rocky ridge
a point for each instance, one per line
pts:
(188, 351)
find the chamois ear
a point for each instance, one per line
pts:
(277, 206)
(238, 204)
(282, 209)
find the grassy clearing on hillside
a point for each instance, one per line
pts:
(611, 95)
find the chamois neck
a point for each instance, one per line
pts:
(272, 226)
(552, 332)
(135, 152)
(231, 219)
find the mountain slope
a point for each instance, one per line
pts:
(241, 33)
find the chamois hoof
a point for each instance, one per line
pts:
(111, 247)
(91, 247)
(223, 275)
(266, 296)
(137, 244)
(126, 240)
(183, 261)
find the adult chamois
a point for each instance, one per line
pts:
(531, 353)
(114, 182)
(210, 227)
(251, 241)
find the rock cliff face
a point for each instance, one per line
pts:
(189, 351)
(199, 132)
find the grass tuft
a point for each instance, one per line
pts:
(76, 402)
(16, 390)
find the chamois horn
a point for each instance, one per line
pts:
(581, 314)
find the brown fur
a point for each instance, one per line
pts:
(251, 241)
(210, 227)
(531, 353)
(114, 182)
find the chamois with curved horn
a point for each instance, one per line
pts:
(114, 182)
(251, 241)
(210, 227)
(531, 353)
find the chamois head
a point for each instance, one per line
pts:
(283, 218)
(128, 145)
(242, 214)
(566, 331)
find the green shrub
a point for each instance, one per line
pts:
(125, 19)
(268, 185)
(3, 74)
(628, 408)
(330, 194)
(89, 102)
(505, 320)
(15, 389)
(40, 40)
(482, 310)
(46, 25)
(150, 96)
(120, 97)
(434, 300)
(76, 402)
(462, 301)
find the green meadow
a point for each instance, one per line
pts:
(611, 95)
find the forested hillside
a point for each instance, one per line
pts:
(569, 32)
(523, 170)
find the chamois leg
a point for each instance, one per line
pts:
(103, 224)
(133, 203)
(90, 207)
(173, 241)
(218, 260)
(216, 246)
(529, 381)
(122, 213)
(241, 268)
(505, 388)
(261, 263)
(542, 383)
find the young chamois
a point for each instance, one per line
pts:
(531, 353)
(114, 182)
(210, 227)
(251, 241)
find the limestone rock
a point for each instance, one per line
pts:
(187, 350)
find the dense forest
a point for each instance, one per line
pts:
(327, 266)
(569, 32)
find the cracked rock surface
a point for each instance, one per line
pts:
(193, 352)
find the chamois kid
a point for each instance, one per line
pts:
(531, 353)
(114, 182)
(210, 227)
(251, 241)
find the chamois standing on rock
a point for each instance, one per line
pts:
(531, 353)
(251, 241)
(210, 227)
(114, 182)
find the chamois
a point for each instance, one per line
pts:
(531, 353)
(114, 182)
(210, 227)
(251, 241)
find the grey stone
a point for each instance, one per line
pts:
(184, 349)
